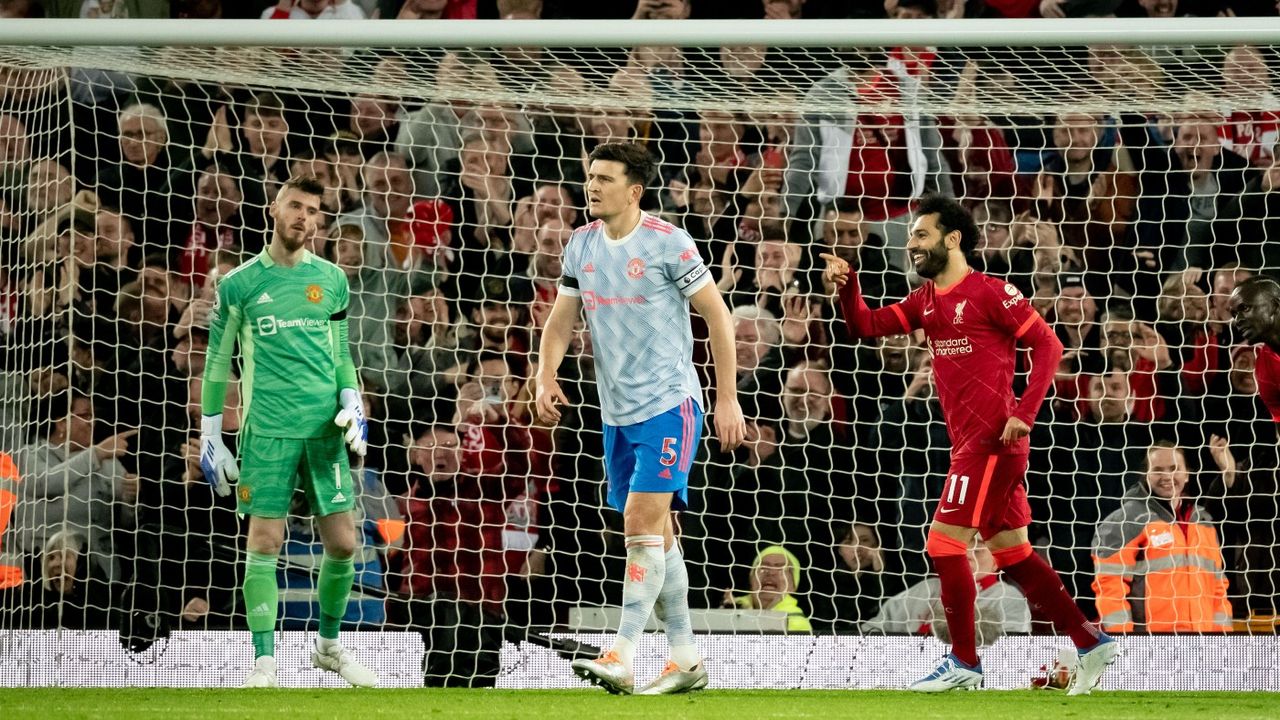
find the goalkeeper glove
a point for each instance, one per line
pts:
(351, 417)
(217, 462)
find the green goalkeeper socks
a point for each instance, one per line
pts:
(261, 601)
(335, 581)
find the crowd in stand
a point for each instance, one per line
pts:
(123, 199)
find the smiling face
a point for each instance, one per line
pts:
(929, 251)
(1166, 472)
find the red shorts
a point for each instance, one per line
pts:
(986, 492)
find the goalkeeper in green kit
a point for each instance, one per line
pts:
(288, 310)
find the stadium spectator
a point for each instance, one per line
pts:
(454, 537)
(314, 10)
(217, 224)
(865, 157)
(71, 482)
(65, 589)
(545, 269)
(1088, 185)
(186, 569)
(1251, 134)
(1158, 558)
(1079, 479)
(847, 588)
(383, 215)
(15, 149)
(845, 232)
(432, 136)
(775, 579)
(49, 187)
(1251, 510)
(1136, 348)
(813, 482)
(1183, 189)
(1075, 316)
(1000, 607)
(722, 531)
(758, 350)
(978, 157)
(141, 185)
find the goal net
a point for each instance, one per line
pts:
(1124, 189)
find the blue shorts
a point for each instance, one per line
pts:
(653, 456)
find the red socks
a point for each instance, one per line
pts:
(1045, 593)
(959, 593)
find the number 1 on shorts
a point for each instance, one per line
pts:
(963, 482)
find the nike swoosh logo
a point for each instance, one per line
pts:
(928, 312)
(943, 511)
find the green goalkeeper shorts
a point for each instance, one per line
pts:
(271, 469)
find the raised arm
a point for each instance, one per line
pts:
(861, 320)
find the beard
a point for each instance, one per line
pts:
(935, 261)
(291, 240)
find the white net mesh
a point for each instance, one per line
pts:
(1124, 190)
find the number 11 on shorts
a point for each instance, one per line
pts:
(963, 482)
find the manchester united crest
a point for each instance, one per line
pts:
(244, 493)
(315, 293)
(635, 268)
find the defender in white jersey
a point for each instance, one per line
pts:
(636, 276)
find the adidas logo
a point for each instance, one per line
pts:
(665, 474)
(262, 609)
(264, 298)
(338, 498)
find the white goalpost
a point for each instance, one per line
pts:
(1123, 174)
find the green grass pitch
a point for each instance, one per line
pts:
(67, 704)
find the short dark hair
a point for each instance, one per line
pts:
(951, 217)
(51, 409)
(641, 166)
(308, 184)
(265, 104)
(847, 206)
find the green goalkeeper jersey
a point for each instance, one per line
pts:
(292, 328)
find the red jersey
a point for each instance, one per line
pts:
(1266, 373)
(972, 328)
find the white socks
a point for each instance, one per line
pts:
(646, 569)
(674, 602)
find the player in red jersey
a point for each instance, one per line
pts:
(1255, 311)
(973, 324)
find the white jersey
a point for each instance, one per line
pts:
(635, 292)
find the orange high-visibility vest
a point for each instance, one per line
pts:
(10, 558)
(1158, 572)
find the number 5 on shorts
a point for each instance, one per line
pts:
(669, 455)
(963, 482)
